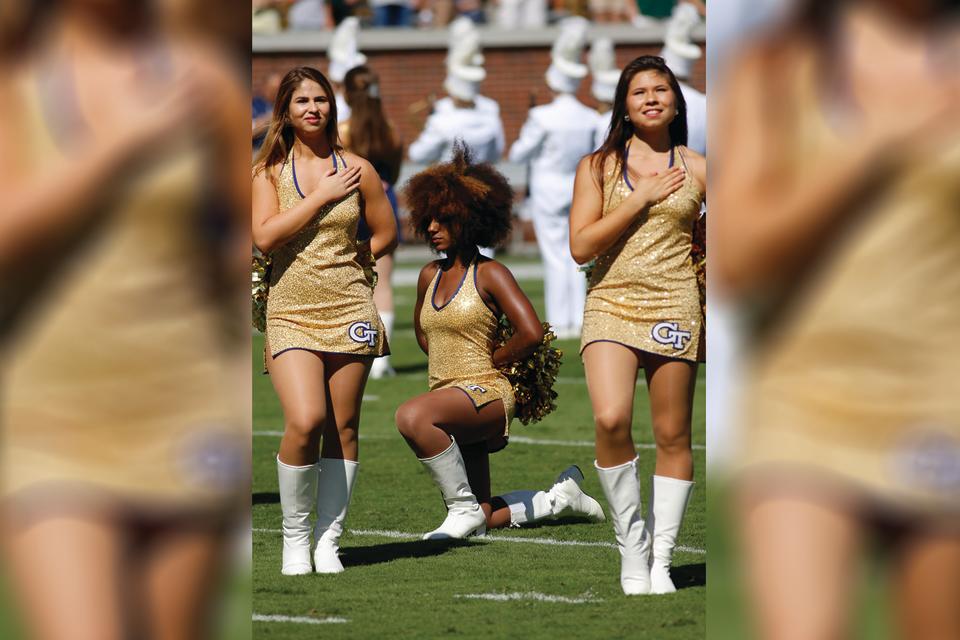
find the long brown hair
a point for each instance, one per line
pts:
(621, 129)
(371, 135)
(279, 138)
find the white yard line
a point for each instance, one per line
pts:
(404, 535)
(530, 595)
(259, 617)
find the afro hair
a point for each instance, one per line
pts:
(475, 199)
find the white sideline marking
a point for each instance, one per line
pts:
(403, 535)
(513, 440)
(530, 595)
(259, 617)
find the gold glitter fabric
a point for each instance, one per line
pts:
(461, 336)
(114, 382)
(857, 381)
(321, 292)
(643, 291)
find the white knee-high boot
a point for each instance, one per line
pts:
(381, 366)
(668, 502)
(621, 486)
(333, 499)
(565, 497)
(464, 515)
(298, 496)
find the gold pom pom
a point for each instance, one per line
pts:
(698, 254)
(260, 280)
(532, 378)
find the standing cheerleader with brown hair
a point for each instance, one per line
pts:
(635, 203)
(467, 412)
(322, 328)
(369, 134)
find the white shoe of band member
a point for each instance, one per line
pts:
(381, 366)
(622, 489)
(668, 501)
(464, 515)
(564, 498)
(333, 499)
(298, 497)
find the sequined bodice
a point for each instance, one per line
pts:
(657, 244)
(459, 334)
(328, 239)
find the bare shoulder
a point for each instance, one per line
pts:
(493, 272)
(353, 160)
(427, 272)
(696, 164)
(264, 174)
(696, 161)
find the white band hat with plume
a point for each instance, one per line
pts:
(342, 52)
(603, 68)
(566, 71)
(464, 61)
(678, 51)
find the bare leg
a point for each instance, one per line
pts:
(298, 378)
(346, 377)
(611, 371)
(427, 421)
(477, 461)
(928, 587)
(801, 561)
(67, 574)
(671, 384)
(182, 571)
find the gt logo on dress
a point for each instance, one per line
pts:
(669, 333)
(476, 387)
(363, 333)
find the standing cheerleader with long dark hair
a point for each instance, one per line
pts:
(635, 203)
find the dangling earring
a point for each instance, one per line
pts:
(626, 117)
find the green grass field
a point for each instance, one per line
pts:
(397, 586)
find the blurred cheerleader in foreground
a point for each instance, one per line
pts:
(460, 300)
(123, 237)
(837, 226)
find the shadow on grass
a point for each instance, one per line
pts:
(265, 498)
(557, 522)
(387, 552)
(689, 575)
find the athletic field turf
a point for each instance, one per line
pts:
(555, 579)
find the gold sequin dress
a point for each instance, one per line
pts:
(320, 297)
(117, 385)
(460, 338)
(643, 290)
(855, 382)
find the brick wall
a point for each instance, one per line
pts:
(409, 76)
